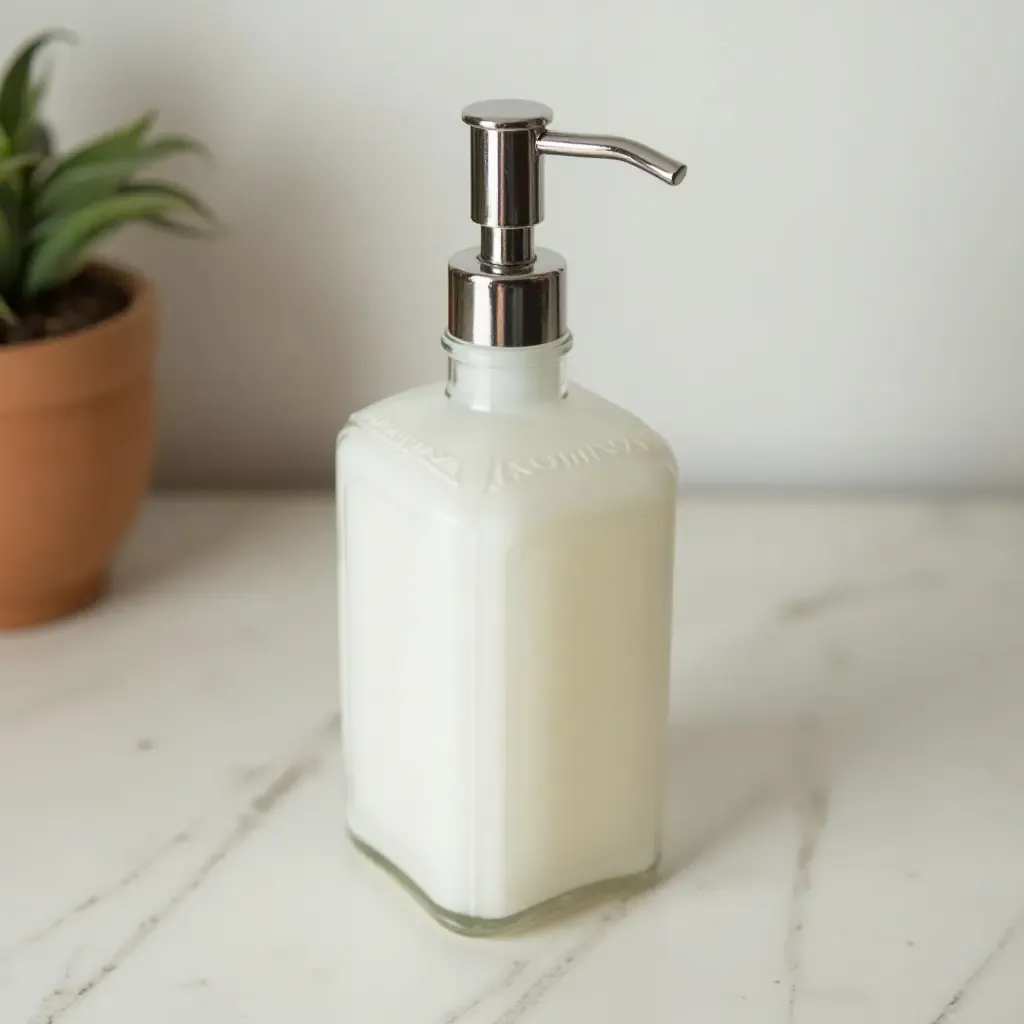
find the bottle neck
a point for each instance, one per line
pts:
(486, 378)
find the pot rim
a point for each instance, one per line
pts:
(87, 363)
(135, 285)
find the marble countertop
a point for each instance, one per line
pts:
(846, 809)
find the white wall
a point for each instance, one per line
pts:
(832, 297)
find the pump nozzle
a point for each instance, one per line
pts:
(612, 147)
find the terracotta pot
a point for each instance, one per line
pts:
(77, 437)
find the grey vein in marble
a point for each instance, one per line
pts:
(813, 813)
(567, 961)
(63, 998)
(968, 986)
(812, 808)
(124, 882)
(490, 991)
(842, 594)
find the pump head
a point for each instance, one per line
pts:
(508, 294)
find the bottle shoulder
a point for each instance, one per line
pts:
(400, 429)
(552, 443)
(428, 413)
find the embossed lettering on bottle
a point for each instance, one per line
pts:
(423, 451)
(511, 471)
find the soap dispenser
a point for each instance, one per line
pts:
(505, 583)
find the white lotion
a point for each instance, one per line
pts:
(506, 552)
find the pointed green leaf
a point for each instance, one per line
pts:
(30, 133)
(82, 185)
(121, 144)
(79, 187)
(16, 90)
(6, 313)
(180, 228)
(61, 253)
(171, 145)
(184, 200)
(37, 93)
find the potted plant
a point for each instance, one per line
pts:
(77, 343)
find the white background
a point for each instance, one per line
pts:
(832, 298)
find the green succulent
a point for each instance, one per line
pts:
(54, 207)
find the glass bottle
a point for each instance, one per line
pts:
(505, 586)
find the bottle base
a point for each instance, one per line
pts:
(486, 927)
